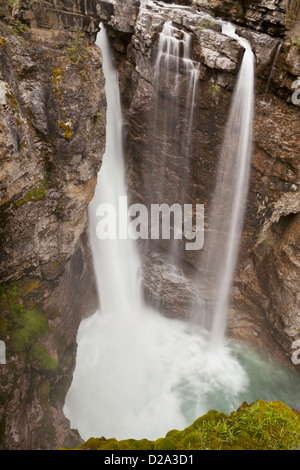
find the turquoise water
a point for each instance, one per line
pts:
(141, 377)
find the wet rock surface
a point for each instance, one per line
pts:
(274, 185)
(52, 129)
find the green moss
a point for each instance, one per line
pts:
(11, 100)
(30, 326)
(257, 426)
(35, 194)
(296, 43)
(29, 286)
(207, 23)
(112, 444)
(17, 28)
(91, 444)
(166, 443)
(13, 3)
(77, 51)
(41, 359)
(215, 88)
(24, 321)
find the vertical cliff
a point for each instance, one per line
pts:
(52, 130)
(265, 307)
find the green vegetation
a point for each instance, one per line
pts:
(97, 118)
(11, 100)
(23, 323)
(13, 3)
(41, 359)
(77, 51)
(98, 114)
(35, 194)
(296, 43)
(17, 28)
(208, 23)
(215, 88)
(257, 426)
(21, 320)
(30, 325)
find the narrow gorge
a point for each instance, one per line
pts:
(190, 104)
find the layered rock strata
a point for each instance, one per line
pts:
(52, 139)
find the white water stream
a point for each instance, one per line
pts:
(173, 59)
(175, 82)
(138, 374)
(227, 210)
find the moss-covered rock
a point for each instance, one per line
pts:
(257, 426)
(22, 321)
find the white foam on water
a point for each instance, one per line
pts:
(139, 374)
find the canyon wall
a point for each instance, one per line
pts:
(52, 141)
(265, 295)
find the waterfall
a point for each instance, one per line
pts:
(229, 199)
(191, 70)
(272, 69)
(116, 261)
(139, 374)
(175, 85)
(175, 81)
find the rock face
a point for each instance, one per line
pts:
(52, 139)
(52, 127)
(264, 306)
(264, 15)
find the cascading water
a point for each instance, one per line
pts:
(173, 59)
(175, 84)
(138, 374)
(191, 70)
(272, 69)
(119, 269)
(229, 200)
